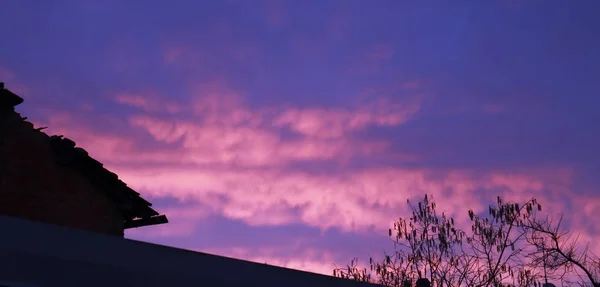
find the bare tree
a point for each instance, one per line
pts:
(510, 246)
(353, 272)
(560, 254)
(426, 245)
(497, 245)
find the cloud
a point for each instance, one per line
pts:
(218, 128)
(335, 123)
(328, 127)
(222, 158)
(226, 150)
(349, 201)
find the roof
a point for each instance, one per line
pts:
(8, 100)
(136, 211)
(115, 261)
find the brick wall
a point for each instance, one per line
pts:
(34, 186)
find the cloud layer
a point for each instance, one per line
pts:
(271, 135)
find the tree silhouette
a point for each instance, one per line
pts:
(509, 246)
(559, 253)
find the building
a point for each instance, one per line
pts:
(63, 216)
(43, 255)
(48, 179)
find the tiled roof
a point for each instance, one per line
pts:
(136, 211)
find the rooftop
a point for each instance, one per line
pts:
(136, 211)
(72, 257)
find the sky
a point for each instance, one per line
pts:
(293, 132)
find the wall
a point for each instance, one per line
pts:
(69, 257)
(34, 186)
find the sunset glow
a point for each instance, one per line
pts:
(293, 132)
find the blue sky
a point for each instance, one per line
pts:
(293, 132)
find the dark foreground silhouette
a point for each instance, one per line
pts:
(513, 244)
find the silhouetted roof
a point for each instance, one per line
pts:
(136, 211)
(101, 260)
(8, 100)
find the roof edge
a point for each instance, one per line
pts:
(140, 222)
(8, 99)
(136, 211)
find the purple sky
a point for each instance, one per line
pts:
(292, 132)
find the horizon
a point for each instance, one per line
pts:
(292, 133)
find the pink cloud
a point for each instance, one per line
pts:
(103, 145)
(206, 143)
(352, 201)
(227, 150)
(323, 123)
(349, 201)
(216, 104)
(223, 129)
(334, 123)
